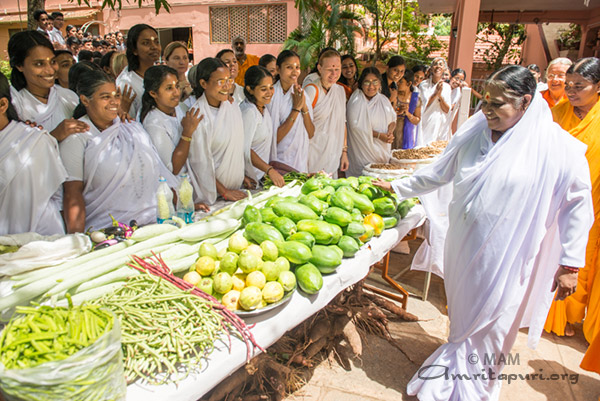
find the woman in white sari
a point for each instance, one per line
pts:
(113, 168)
(291, 115)
(169, 127)
(236, 91)
(177, 57)
(457, 82)
(371, 123)
(435, 98)
(216, 157)
(259, 143)
(26, 155)
(143, 50)
(34, 94)
(519, 221)
(328, 148)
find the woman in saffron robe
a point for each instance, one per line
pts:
(580, 115)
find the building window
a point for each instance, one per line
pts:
(256, 23)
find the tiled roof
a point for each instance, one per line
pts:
(480, 48)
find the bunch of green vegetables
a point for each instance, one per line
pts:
(46, 334)
(287, 177)
(162, 327)
(52, 354)
(94, 274)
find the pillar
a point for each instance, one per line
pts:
(533, 48)
(463, 35)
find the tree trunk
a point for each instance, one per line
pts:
(505, 46)
(33, 5)
(377, 44)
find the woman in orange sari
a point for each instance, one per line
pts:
(580, 115)
(556, 75)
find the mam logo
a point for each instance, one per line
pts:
(502, 359)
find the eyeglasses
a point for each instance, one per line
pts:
(560, 77)
(371, 83)
(222, 82)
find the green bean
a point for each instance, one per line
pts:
(163, 328)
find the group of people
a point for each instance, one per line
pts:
(75, 38)
(226, 122)
(525, 173)
(84, 139)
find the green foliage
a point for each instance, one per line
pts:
(569, 39)
(326, 23)
(407, 26)
(511, 36)
(118, 4)
(442, 24)
(5, 68)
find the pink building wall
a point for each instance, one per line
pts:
(195, 15)
(184, 13)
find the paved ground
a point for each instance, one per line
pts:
(384, 370)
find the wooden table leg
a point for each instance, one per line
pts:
(384, 266)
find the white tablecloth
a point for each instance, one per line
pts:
(274, 324)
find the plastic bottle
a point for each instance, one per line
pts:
(185, 199)
(164, 202)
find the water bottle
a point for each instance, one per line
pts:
(185, 199)
(164, 202)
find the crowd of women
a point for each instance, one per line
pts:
(81, 142)
(117, 128)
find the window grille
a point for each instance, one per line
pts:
(255, 23)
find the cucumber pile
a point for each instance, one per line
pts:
(329, 221)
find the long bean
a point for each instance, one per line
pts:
(159, 268)
(162, 329)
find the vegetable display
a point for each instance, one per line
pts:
(47, 334)
(52, 354)
(162, 328)
(288, 178)
(177, 291)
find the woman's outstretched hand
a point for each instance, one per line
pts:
(382, 184)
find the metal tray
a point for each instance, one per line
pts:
(249, 313)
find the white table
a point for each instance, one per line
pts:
(274, 324)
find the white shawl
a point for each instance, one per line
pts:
(188, 103)
(433, 120)
(131, 78)
(365, 116)
(30, 174)
(217, 150)
(258, 136)
(293, 148)
(325, 147)
(520, 207)
(121, 172)
(455, 97)
(60, 106)
(165, 132)
(238, 94)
